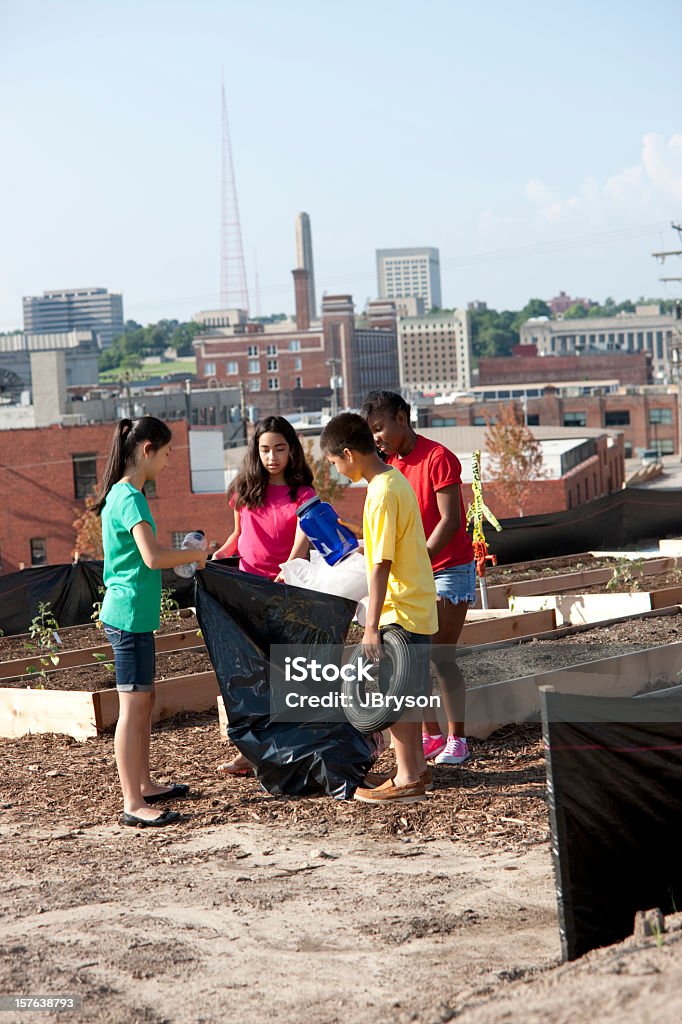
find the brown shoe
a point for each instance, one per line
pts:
(374, 779)
(389, 793)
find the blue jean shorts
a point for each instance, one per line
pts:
(457, 583)
(134, 659)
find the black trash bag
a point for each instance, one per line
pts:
(240, 616)
(614, 781)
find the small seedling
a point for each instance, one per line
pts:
(627, 573)
(97, 608)
(169, 606)
(45, 641)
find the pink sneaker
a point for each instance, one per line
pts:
(432, 745)
(456, 751)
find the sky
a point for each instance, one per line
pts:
(537, 145)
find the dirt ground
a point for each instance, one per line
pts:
(307, 911)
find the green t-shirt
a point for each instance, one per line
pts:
(133, 598)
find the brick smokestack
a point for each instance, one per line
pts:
(302, 292)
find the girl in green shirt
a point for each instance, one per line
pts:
(130, 613)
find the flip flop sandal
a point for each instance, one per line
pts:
(167, 818)
(176, 791)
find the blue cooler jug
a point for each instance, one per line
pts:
(321, 525)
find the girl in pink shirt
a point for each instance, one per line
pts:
(273, 481)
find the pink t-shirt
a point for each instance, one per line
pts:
(268, 532)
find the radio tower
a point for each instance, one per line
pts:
(233, 290)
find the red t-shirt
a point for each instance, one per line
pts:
(429, 468)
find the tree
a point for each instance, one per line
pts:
(515, 456)
(326, 485)
(88, 527)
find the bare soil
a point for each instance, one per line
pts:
(306, 910)
(99, 676)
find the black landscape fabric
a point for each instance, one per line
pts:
(71, 590)
(614, 778)
(240, 616)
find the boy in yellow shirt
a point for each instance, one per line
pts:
(402, 593)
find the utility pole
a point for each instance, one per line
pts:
(676, 339)
(334, 383)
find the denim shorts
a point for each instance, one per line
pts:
(457, 583)
(134, 659)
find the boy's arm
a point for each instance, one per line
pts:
(450, 519)
(378, 582)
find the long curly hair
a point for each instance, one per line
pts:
(249, 486)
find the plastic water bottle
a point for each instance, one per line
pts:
(195, 540)
(321, 525)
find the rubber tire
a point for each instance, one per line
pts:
(400, 653)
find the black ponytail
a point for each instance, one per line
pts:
(123, 453)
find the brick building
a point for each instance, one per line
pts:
(302, 364)
(632, 369)
(646, 417)
(45, 474)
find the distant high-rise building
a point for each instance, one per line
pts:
(304, 257)
(91, 309)
(434, 352)
(409, 274)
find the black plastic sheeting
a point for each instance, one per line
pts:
(615, 521)
(614, 777)
(240, 616)
(71, 591)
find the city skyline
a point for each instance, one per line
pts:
(525, 190)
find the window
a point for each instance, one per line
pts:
(38, 551)
(273, 383)
(178, 537)
(617, 418)
(254, 366)
(149, 489)
(297, 363)
(532, 419)
(84, 474)
(294, 346)
(232, 368)
(665, 447)
(209, 369)
(252, 350)
(298, 382)
(272, 366)
(660, 415)
(575, 419)
(628, 449)
(254, 385)
(272, 350)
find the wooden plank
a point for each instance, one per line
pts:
(576, 609)
(504, 627)
(515, 701)
(27, 711)
(499, 594)
(165, 644)
(195, 692)
(665, 597)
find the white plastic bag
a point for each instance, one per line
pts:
(348, 578)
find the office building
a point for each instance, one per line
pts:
(90, 309)
(409, 274)
(646, 330)
(434, 352)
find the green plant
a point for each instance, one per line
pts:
(102, 657)
(44, 641)
(627, 572)
(97, 608)
(169, 606)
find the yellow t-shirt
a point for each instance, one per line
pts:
(393, 529)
